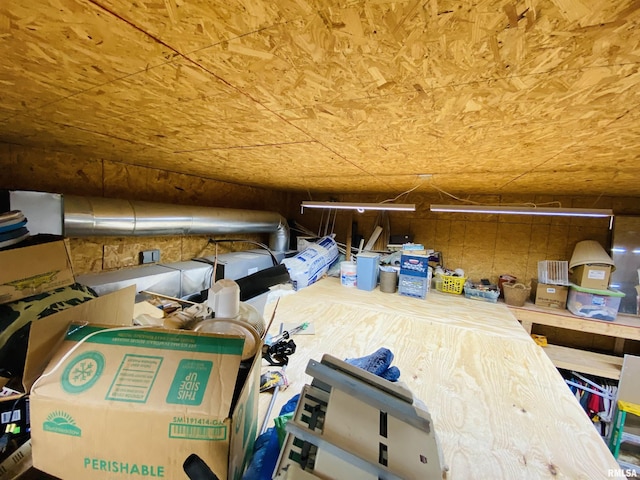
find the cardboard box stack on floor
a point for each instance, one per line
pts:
(118, 402)
(29, 270)
(111, 401)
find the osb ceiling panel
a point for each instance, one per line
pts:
(335, 96)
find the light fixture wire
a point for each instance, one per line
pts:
(519, 208)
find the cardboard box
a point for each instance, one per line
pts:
(46, 333)
(415, 265)
(592, 303)
(551, 296)
(42, 265)
(594, 276)
(121, 403)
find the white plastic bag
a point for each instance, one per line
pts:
(312, 263)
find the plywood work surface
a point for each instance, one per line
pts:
(499, 406)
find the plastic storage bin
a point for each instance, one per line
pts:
(591, 303)
(479, 292)
(450, 284)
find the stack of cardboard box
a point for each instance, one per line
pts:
(590, 273)
(552, 287)
(29, 268)
(108, 399)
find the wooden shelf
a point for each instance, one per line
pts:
(607, 366)
(624, 327)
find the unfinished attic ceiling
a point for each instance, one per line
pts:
(535, 96)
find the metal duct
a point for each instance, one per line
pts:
(87, 216)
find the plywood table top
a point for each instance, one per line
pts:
(499, 406)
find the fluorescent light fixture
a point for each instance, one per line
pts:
(361, 207)
(562, 212)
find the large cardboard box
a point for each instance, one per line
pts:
(35, 268)
(591, 276)
(46, 334)
(551, 296)
(45, 337)
(128, 402)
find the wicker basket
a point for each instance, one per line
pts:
(515, 294)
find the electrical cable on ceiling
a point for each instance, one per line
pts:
(524, 204)
(401, 194)
(215, 266)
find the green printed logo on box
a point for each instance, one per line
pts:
(190, 382)
(155, 340)
(61, 422)
(82, 372)
(134, 378)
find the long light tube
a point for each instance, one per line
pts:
(562, 212)
(361, 207)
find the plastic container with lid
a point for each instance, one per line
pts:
(592, 303)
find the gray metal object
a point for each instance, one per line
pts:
(182, 279)
(43, 210)
(194, 276)
(625, 253)
(155, 278)
(366, 392)
(376, 471)
(351, 424)
(86, 216)
(235, 265)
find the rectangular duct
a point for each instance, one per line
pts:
(235, 265)
(180, 279)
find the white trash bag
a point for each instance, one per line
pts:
(312, 263)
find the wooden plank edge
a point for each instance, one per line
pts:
(606, 366)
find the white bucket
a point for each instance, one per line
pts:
(348, 274)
